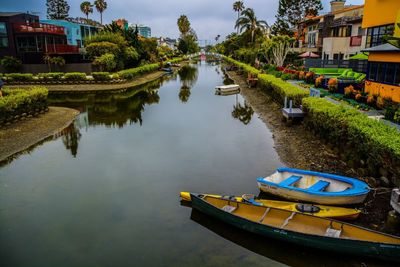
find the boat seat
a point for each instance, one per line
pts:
(319, 186)
(290, 180)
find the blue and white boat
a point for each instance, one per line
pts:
(315, 187)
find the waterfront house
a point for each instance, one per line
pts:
(383, 78)
(336, 35)
(23, 36)
(76, 31)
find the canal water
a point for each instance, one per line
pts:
(105, 191)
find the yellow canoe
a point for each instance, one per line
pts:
(311, 209)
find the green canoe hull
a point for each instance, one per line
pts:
(363, 248)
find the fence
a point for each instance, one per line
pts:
(355, 65)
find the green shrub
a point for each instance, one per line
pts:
(51, 75)
(286, 76)
(75, 76)
(101, 76)
(94, 50)
(11, 64)
(106, 61)
(18, 101)
(282, 89)
(362, 138)
(20, 77)
(131, 73)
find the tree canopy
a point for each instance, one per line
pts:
(57, 9)
(101, 6)
(291, 12)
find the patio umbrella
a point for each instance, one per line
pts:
(360, 56)
(309, 54)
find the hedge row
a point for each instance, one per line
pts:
(280, 88)
(132, 73)
(58, 76)
(372, 142)
(16, 102)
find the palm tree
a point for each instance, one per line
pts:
(238, 7)
(248, 21)
(100, 5)
(86, 8)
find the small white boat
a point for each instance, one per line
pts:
(227, 88)
(316, 187)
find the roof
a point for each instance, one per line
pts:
(382, 48)
(10, 14)
(345, 9)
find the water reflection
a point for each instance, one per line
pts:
(111, 110)
(70, 137)
(188, 75)
(280, 251)
(243, 112)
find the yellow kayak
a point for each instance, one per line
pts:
(311, 209)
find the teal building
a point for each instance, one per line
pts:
(76, 32)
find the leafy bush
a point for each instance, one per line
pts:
(94, 50)
(75, 76)
(106, 62)
(131, 73)
(18, 101)
(11, 64)
(51, 75)
(282, 89)
(20, 77)
(101, 76)
(286, 76)
(369, 140)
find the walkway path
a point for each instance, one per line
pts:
(22, 135)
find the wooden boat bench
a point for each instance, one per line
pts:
(332, 232)
(290, 180)
(319, 186)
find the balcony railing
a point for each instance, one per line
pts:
(61, 49)
(355, 40)
(38, 28)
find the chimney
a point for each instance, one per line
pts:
(337, 5)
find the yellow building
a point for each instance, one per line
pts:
(383, 77)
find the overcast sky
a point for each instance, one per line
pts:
(208, 17)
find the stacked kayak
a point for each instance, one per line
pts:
(316, 210)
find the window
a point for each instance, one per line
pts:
(360, 31)
(3, 35)
(372, 71)
(348, 31)
(375, 35)
(390, 72)
(383, 72)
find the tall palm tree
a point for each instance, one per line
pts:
(248, 21)
(86, 8)
(100, 5)
(238, 7)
